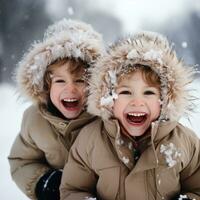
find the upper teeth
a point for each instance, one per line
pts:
(69, 100)
(136, 114)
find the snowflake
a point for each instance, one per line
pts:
(70, 11)
(184, 45)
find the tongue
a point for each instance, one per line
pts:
(70, 104)
(138, 119)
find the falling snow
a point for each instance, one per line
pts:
(184, 45)
(70, 10)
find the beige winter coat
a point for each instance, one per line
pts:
(98, 159)
(43, 143)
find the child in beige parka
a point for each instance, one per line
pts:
(138, 149)
(53, 75)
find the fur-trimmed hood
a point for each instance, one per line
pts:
(145, 48)
(65, 38)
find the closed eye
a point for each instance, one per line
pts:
(59, 81)
(80, 81)
(149, 92)
(125, 92)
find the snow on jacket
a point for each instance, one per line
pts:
(44, 140)
(101, 159)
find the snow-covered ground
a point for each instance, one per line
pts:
(11, 110)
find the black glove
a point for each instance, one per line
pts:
(47, 188)
(181, 197)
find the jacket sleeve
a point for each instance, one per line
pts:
(78, 179)
(27, 161)
(190, 176)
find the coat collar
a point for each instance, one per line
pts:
(65, 126)
(159, 129)
(122, 145)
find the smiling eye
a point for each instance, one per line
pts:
(149, 92)
(59, 81)
(125, 92)
(80, 81)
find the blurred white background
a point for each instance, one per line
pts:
(22, 22)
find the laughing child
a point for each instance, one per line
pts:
(137, 150)
(53, 74)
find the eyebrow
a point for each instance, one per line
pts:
(125, 86)
(56, 76)
(152, 87)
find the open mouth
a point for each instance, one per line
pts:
(70, 104)
(136, 118)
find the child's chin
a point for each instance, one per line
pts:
(72, 114)
(135, 132)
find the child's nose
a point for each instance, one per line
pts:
(137, 102)
(70, 87)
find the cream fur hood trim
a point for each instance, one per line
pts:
(149, 49)
(66, 38)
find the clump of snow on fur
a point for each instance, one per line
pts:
(132, 54)
(149, 55)
(37, 68)
(113, 78)
(108, 100)
(154, 55)
(171, 154)
(57, 50)
(111, 95)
